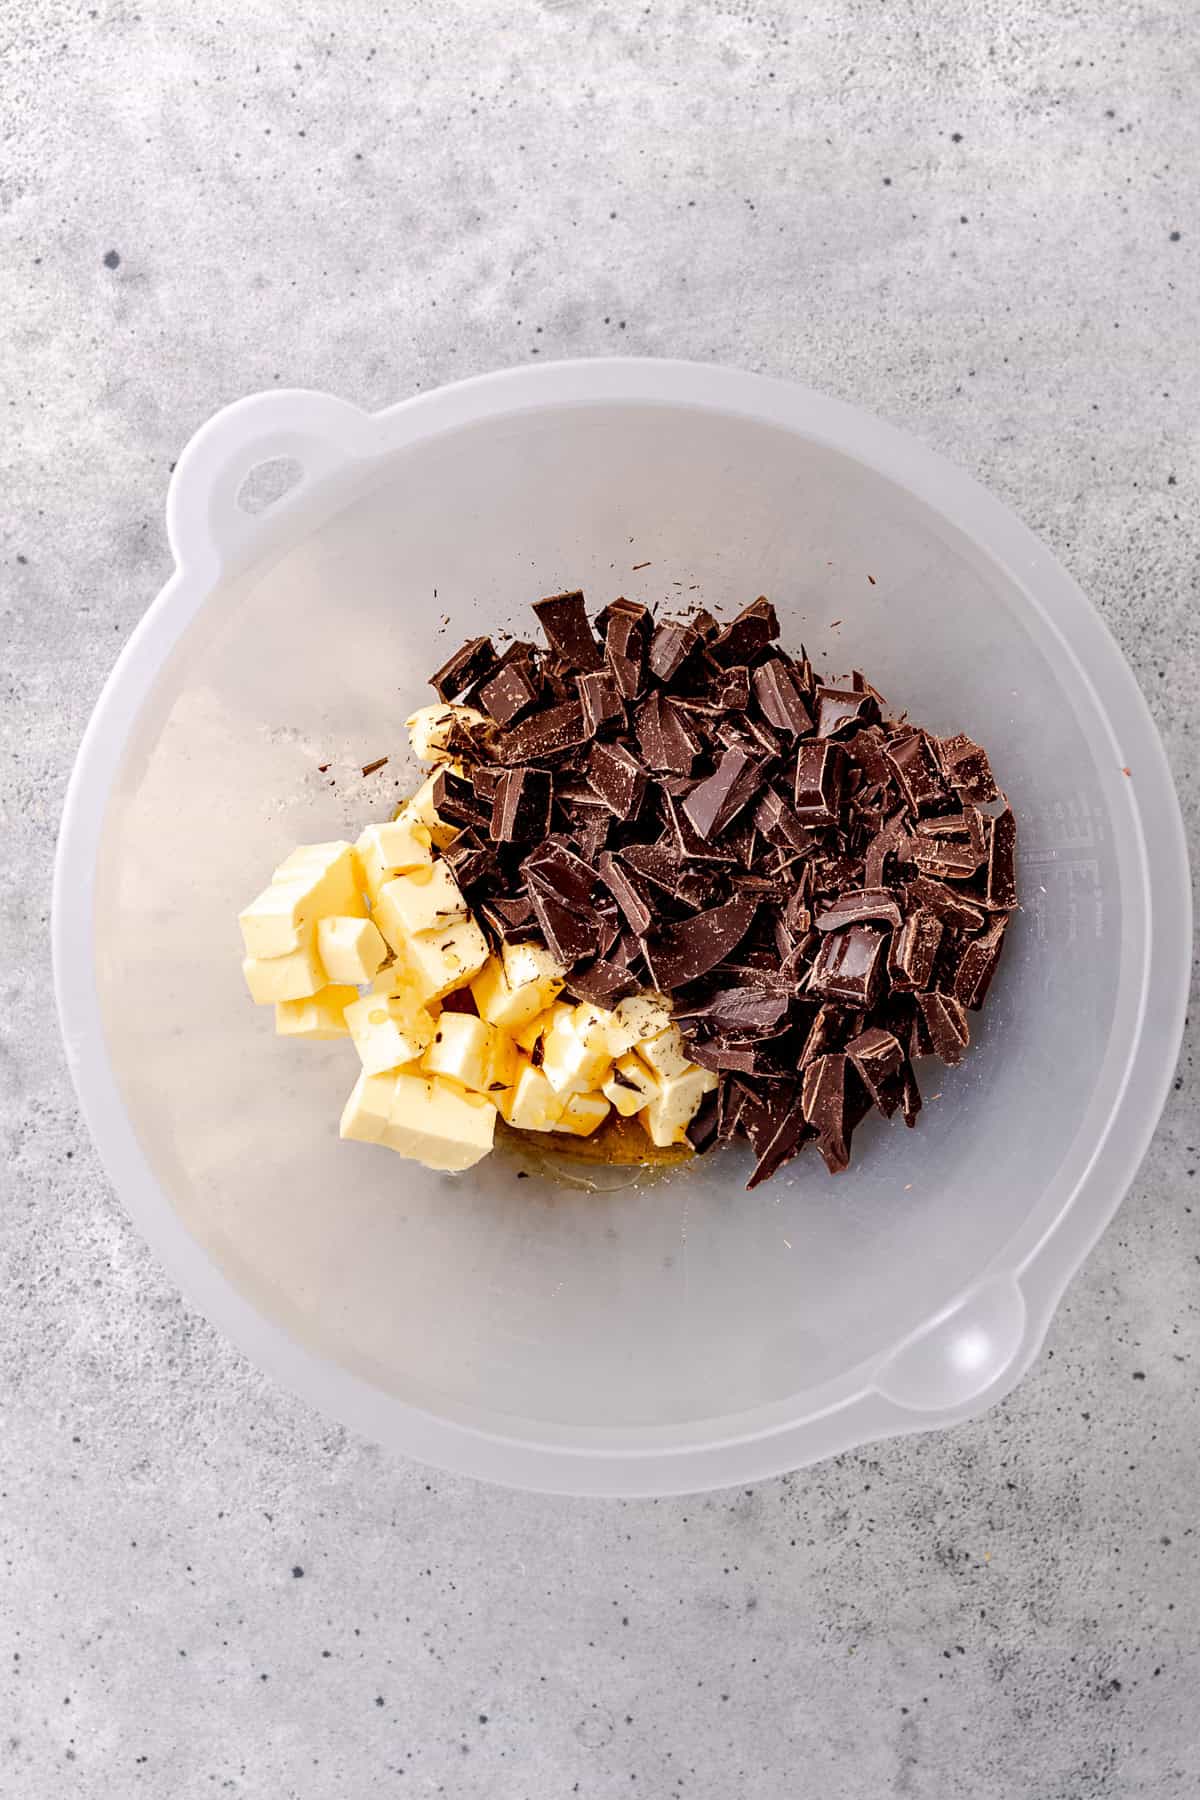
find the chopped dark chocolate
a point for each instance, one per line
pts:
(951, 908)
(967, 768)
(623, 887)
(913, 949)
(544, 734)
(703, 1129)
(819, 784)
(849, 966)
(455, 800)
(572, 932)
(671, 643)
(600, 699)
(626, 630)
(856, 904)
(946, 1025)
(840, 708)
(469, 860)
(681, 953)
(468, 665)
(977, 964)
(912, 758)
(617, 779)
(665, 741)
(602, 983)
(823, 1099)
(791, 1132)
(779, 698)
(879, 1059)
(510, 692)
(521, 807)
(563, 618)
(1002, 867)
(755, 627)
(715, 802)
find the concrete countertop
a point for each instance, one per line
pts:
(981, 223)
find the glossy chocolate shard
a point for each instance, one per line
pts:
(602, 983)
(1002, 863)
(866, 749)
(469, 664)
(978, 963)
(626, 631)
(555, 868)
(849, 966)
(967, 768)
(455, 800)
(824, 1104)
(509, 693)
(885, 845)
(544, 734)
(792, 1131)
(745, 637)
(601, 701)
(508, 918)
(469, 860)
(485, 779)
(671, 643)
(681, 953)
(740, 1009)
(880, 1060)
(910, 1095)
(855, 905)
(779, 824)
(563, 618)
(715, 802)
(779, 698)
(946, 1025)
(703, 1130)
(819, 783)
(911, 757)
(945, 858)
(951, 908)
(625, 890)
(730, 689)
(521, 806)
(572, 932)
(841, 709)
(692, 847)
(666, 743)
(913, 950)
(617, 779)
(662, 865)
(721, 1054)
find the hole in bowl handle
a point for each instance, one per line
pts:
(318, 432)
(957, 1361)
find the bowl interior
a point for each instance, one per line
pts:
(682, 1299)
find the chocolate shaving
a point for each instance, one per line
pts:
(856, 904)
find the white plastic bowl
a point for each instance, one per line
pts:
(683, 1334)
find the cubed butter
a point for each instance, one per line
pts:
(319, 1015)
(424, 900)
(574, 1061)
(436, 1123)
(315, 881)
(631, 1085)
(463, 1048)
(367, 1111)
(351, 950)
(394, 848)
(437, 962)
(331, 874)
(640, 1016)
(529, 966)
(665, 1054)
(389, 1029)
(582, 1114)
(526, 1036)
(292, 977)
(531, 1104)
(668, 1115)
(430, 727)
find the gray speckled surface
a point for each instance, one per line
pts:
(982, 223)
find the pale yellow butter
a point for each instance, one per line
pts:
(668, 1115)
(439, 1124)
(351, 950)
(436, 962)
(393, 848)
(583, 1114)
(319, 1015)
(636, 1088)
(531, 1104)
(463, 1048)
(292, 977)
(389, 1029)
(367, 1111)
(665, 1054)
(574, 1060)
(419, 808)
(312, 883)
(640, 1016)
(424, 900)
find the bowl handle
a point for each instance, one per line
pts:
(967, 1358)
(317, 433)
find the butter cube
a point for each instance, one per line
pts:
(668, 1115)
(330, 873)
(531, 1103)
(419, 808)
(430, 727)
(631, 1085)
(438, 1124)
(582, 1114)
(389, 1029)
(424, 900)
(665, 1054)
(276, 922)
(367, 1111)
(394, 848)
(292, 977)
(320, 1015)
(531, 965)
(640, 1016)
(463, 1048)
(351, 950)
(574, 1061)
(526, 1036)
(313, 882)
(437, 962)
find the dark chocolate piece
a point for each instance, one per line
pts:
(880, 1060)
(626, 629)
(602, 983)
(544, 734)
(555, 868)
(912, 759)
(977, 964)
(886, 843)
(967, 768)
(913, 949)
(820, 779)
(792, 1131)
(666, 743)
(682, 953)
(455, 800)
(572, 933)
(671, 643)
(759, 1010)
(855, 905)
(744, 637)
(946, 1023)
(563, 618)
(662, 864)
(469, 860)
(779, 698)
(840, 708)
(951, 908)
(623, 887)
(714, 803)
(1002, 866)
(508, 918)
(943, 857)
(849, 966)
(617, 779)
(779, 824)
(703, 1131)
(469, 664)
(510, 692)
(823, 1099)
(600, 699)
(521, 807)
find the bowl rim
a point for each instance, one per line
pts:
(209, 537)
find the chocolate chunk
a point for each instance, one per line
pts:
(671, 643)
(910, 1095)
(485, 779)
(455, 800)
(880, 1061)
(946, 1024)
(820, 780)
(943, 857)
(555, 868)
(602, 983)
(792, 1131)
(617, 779)
(468, 665)
(744, 637)
(849, 965)
(469, 860)
(951, 908)
(521, 807)
(510, 692)
(780, 699)
(600, 699)
(626, 892)
(626, 630)
(759, 1010)
(916, 770)
(823, 1100)
(684, 952)
(508, 918)
(977, 964)
(692, 847)
(967, 768)
(826, 1032)
(714, 803)
(856, 904)
(572, 932)
(665, 742)
(662, 864)
(913, 950)
(703, 1130)
(1002, 867)
(840, 708)
(563, 618)
(731, 690)
(886, 843)
(866, 750)
(779, 824)
(719, 1054)
(544, 734)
